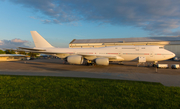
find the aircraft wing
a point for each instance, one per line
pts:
(87, 56)
(33, 49)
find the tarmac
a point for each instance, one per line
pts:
(127, 71)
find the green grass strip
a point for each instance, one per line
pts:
(60, 92)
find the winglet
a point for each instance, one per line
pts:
(39, 41)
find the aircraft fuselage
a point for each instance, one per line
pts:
(118, 53)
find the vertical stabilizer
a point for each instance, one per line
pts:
(39, 41)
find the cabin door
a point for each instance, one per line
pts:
(120, 53)
(151, 54)
(137, 48)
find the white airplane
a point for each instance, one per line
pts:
(100, 56)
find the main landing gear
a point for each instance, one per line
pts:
(90, 63)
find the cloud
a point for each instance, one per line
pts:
(14, 43)
(32, 17)
(157, 16)
(1, 42)
(18, 41)
(46, 21)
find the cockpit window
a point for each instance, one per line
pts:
(161, 47)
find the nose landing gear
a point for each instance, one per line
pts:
(155, 64)
(121, 63)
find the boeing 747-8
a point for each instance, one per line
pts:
(100, 56)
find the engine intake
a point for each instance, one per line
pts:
(102, 61)
(75, 59)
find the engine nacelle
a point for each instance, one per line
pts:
(102, 61)
(75, 59)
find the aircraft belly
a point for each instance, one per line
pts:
(159, 57)
(111, 58)
(116, 59)
(136, 57)
(62, 55)
(129, 58)
(90, 57)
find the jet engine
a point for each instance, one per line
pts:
(75, 59)
(102, 61)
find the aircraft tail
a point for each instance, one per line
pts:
(39, 41)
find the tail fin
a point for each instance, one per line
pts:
(39, 41)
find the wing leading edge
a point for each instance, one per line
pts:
(65, 54)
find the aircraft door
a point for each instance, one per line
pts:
(120, 53)
(151, 54)
(137, 48)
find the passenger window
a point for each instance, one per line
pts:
(161, 47)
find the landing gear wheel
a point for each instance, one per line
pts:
(64, 62)
(155, 64)
(121, 63)
(88, 64)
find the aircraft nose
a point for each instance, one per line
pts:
(173, 55)
(169, 54)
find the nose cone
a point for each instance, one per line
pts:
(172, 55)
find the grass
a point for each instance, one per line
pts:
(61, 92)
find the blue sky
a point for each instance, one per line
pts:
(60, 21)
